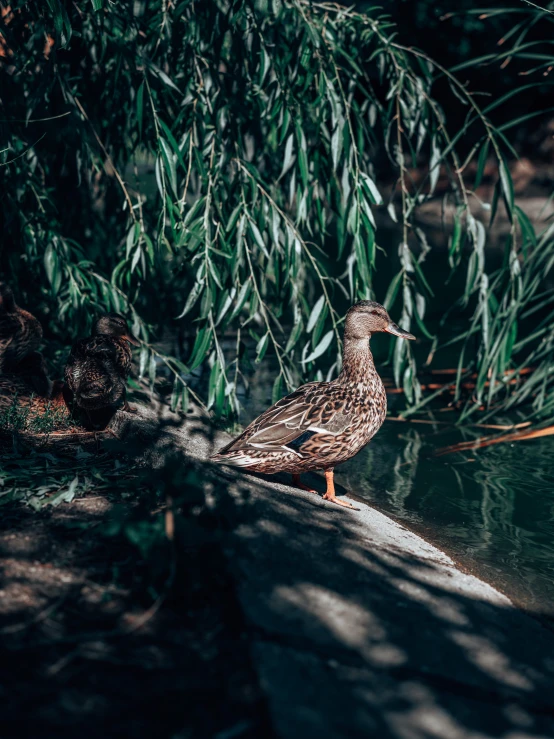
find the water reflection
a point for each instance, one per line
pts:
(492, 509)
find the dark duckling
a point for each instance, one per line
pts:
(322, 424)
(98, 367)
(20, 332)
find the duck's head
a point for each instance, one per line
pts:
(7, 301)
(113, 324)
(367, 317)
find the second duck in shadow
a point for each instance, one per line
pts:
(20, 337)
(97, 370)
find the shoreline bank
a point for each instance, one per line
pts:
(357, 626)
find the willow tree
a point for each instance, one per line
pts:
(270, 126)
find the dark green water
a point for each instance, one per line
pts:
(491, 509)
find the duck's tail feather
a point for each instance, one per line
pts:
(235, 459)
(93, 390)
(96, 387)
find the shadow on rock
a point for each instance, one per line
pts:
(206, 587)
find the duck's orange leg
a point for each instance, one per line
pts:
(126, 407)
(330, 494)
(297, 484)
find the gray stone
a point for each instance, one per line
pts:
(357, 626)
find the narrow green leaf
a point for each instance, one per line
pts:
(422, 326)
(225, 305)
(258, 238)
(143, 361)
(287, 162)
(294, 335)
(200, 349)
(136, 256)
(241, 299)
(319, 326)
(192, 298)
(392, 291)
(527, 230)
(212, 383)
(321, 348)
(407, 383)
(173, 143)
(373, 192)
(494, 206)
(53, 268)
(261, 347)
(336, 145)
(314, 315)
(277, 391)
(507, 187)
(176, 394)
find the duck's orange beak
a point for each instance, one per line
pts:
(131, 339)
(392, 328)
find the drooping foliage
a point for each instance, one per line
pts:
(220, 168)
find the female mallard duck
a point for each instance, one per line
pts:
(322, 424)
(20, 332)
(98, 367)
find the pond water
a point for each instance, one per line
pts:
(491, 509)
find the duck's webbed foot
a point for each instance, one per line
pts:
(330, 494)
(298, 484)
(338, 501)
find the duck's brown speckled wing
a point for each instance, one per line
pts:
(113, 354)
(76, 364)
(96, 371)
(318, 426)
(110, 347)
(123, 356)
(308, 409)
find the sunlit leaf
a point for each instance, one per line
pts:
(314, 315)
(321, 348)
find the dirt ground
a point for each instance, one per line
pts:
(87, 650)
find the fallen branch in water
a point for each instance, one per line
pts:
(497, 426)
(485, 441)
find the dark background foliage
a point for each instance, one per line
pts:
(217, 171)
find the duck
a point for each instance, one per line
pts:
(20, 332)
(98, 366)
(322, 424)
